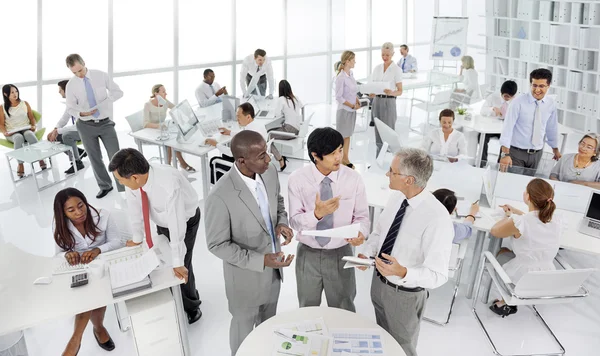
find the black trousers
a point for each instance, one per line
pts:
(486, 142)
(189, 294)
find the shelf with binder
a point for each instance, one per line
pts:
(515, 50)
(500, 8)
(502, 28)
(519, 29)
(553, 22)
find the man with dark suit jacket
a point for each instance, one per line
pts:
(245, 215)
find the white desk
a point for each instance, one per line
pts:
(426, 79)
(258, 343)
(488, 125)
(23, 304)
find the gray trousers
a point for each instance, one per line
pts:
(523, 162)
(399, 313)
(90, 133)
(19, 138)
(244, 319)
(70, 138)
(385, 110)
(320, 269)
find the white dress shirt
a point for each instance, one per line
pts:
(470, 80)
(285, 108)
(249, 67)
(173, 201)
(424, 241)
(392, 75)
(494, 100)
(252, 184)
(435, 144)
(206, 95)
(62, 126)
(410, 63)
(253, 126)
(106, 91)
(107, 240)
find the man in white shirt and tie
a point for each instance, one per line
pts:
(90, 97)
(411, 244)
(408, 63)
(67, 134)
(162, 194)
(531, 120)
(208, 92)
(259, 68)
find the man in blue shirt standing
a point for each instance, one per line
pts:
(530, 120)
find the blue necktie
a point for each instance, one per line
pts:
(263, 204)
(403, 63)
(390, 239)
(90, 95)
(73, 120)
(327, 221)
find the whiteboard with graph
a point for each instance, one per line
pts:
(449, 38)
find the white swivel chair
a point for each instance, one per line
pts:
(438, 101)
(289, 147)
(388, 135)
(534, 288)
(136, 123)
(457, 256)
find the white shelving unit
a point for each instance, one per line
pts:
(561, 35)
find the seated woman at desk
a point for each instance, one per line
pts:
(534, 237)
(582, 167)
(445, 141)
(82, 233)
(461, 230)
(290, 108)
(15, 115)
(155, 113)
(469, 93)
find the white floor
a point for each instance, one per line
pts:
(26, 216)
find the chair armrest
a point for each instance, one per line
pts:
(562, 262)
(281, 133)
(462, 250)
(498, 268)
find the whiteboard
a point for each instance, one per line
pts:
(449, 38)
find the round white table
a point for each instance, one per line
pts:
(258, 343)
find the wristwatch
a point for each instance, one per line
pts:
(502, 154)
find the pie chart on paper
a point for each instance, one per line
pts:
(455, 51)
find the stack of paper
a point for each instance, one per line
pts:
(305, 338)
(133, 275)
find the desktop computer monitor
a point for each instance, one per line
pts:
(230, 105)
(185, 118)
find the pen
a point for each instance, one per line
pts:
(284, 336)
(476, 202)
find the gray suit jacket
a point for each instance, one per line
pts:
(236, 233)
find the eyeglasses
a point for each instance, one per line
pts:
(541, 86)
(397, 174)
(587, 147)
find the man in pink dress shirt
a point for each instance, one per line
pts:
(324, 196)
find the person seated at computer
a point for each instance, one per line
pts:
(290, 108)
(470, 82)
(208, 92)
(445, 141)
(407, 63)
(496, 105)
(245, 118)
(461, 230)
(155, 113)
(582, 167)
(257, 65)
(81, 233)
(16, 114)
(534, 237)
(68, 134)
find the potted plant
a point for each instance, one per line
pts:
(461, 113)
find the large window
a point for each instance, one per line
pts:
(190, 79)
(308, 78)
(259, 25)
(349, 24)
(388, 22)
(306, 37)
(19, 49)
(143, 40)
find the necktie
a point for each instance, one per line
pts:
(403, 63)
(90, 95)
(327, 221)
(390, 239)
(146, 214)
(537, 138)
(263, 204)
(73, 120)
(503, 108)
(257, 69)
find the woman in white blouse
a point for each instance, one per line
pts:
(81, 234)
(470, 80)
(534, 237)
(290, 108)
(155, 113)
(445, 141)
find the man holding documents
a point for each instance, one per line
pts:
(162, 194)
(245, 215)
(411, 245)
(384, 103)
(324, 196)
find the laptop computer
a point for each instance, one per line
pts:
(261, 113)
(590, 224)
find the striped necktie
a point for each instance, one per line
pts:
(390, 239)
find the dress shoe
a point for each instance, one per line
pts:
(71, 170)
(102, 193)
(108, 346)
(194, 316)
(372, 123)
(82, 153)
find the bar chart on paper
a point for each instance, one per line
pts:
(357, 341)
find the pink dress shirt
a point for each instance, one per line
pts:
(303, 186)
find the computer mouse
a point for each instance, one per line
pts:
(43, 280)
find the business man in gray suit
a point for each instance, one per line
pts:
(244, 217)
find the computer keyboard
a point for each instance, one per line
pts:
(66, 268)
(594, 225)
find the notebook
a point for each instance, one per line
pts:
(129, 270)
